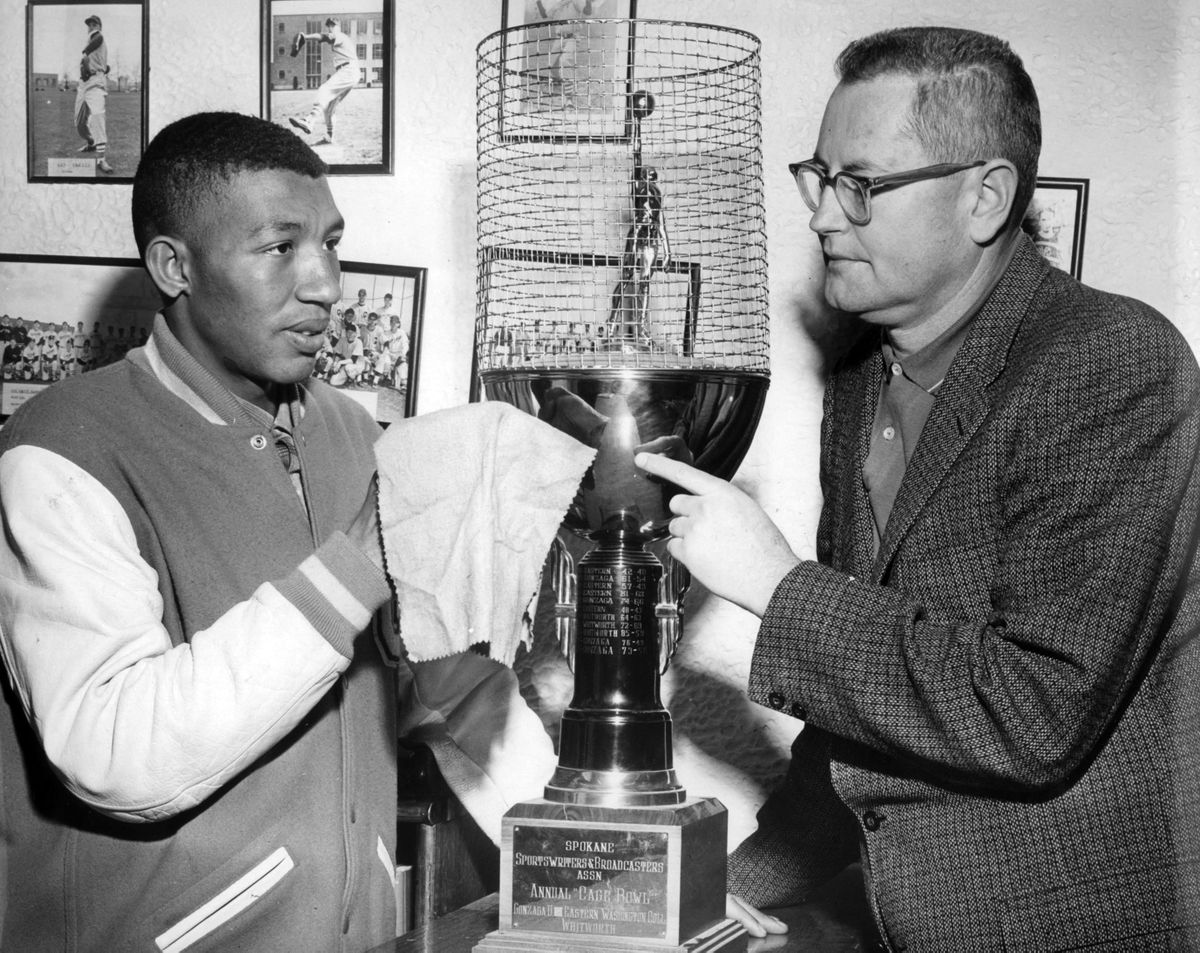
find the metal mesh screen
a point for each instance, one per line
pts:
(620, 215)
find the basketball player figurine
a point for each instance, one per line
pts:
(647, 247)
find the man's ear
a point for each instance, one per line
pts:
(994, 197)
(169, 265)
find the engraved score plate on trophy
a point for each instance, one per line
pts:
(614, 610)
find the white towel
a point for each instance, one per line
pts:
(469, 501)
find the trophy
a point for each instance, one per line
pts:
(621, 299)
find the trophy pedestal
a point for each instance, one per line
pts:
(585, 877)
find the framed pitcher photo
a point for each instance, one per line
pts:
(327, 76)
(86, 76)
(564, 69)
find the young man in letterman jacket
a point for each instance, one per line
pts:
(199, 751)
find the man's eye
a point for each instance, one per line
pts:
(282, 248)
(333, 243)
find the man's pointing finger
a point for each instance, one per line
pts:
(677, 472)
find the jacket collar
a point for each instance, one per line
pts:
(192, 383)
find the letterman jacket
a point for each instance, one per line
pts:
(199, 748)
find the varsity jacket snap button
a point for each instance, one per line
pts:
(258, 442)
(872, 821)
(776, 700)
(798, 711)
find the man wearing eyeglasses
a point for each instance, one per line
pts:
(995, 654)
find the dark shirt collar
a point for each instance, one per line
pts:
(927, 367)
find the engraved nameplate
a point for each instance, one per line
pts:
(589, 881)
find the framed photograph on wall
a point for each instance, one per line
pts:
(327, 76)
(61, 316)
(86, 74)
(373, 344)
(562, 79)
(1055, 220)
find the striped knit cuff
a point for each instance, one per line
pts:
(338, 589)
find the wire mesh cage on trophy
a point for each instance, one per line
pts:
(620, 217)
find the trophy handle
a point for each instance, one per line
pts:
(672, 587)
(562, 576)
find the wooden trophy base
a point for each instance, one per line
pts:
(579, 877)
(725, 936)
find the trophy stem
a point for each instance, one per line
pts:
(615, 740)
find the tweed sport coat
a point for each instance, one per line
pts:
(1002, 706)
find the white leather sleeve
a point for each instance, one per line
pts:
(137, 728)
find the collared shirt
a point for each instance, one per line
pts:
(910, 385)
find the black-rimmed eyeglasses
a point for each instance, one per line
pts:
(854, 191)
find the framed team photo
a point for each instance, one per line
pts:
(61, 316)
(373, 343)
(65, 315)
(1055, 220)
(86, 75)
(565, 69)
(327, 76)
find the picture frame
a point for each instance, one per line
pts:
(558, 86)
(386, 380)
(308, 93)
(1056, 220)
(87, 112)
(62, 315)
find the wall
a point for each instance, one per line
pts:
(1118, 84)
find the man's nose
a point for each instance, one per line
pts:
(829, 216)
(322, 281)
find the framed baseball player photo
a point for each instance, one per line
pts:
(86, 74)
(564, 70)
(327, 76)
(373, 343)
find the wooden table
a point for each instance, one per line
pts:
(835, 920)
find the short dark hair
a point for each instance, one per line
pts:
(190, 159)
(974, 99)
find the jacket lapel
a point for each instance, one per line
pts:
(855, 533)
(963, 402)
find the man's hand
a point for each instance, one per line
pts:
(722, 536)
(754, 920)
(364, 531)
